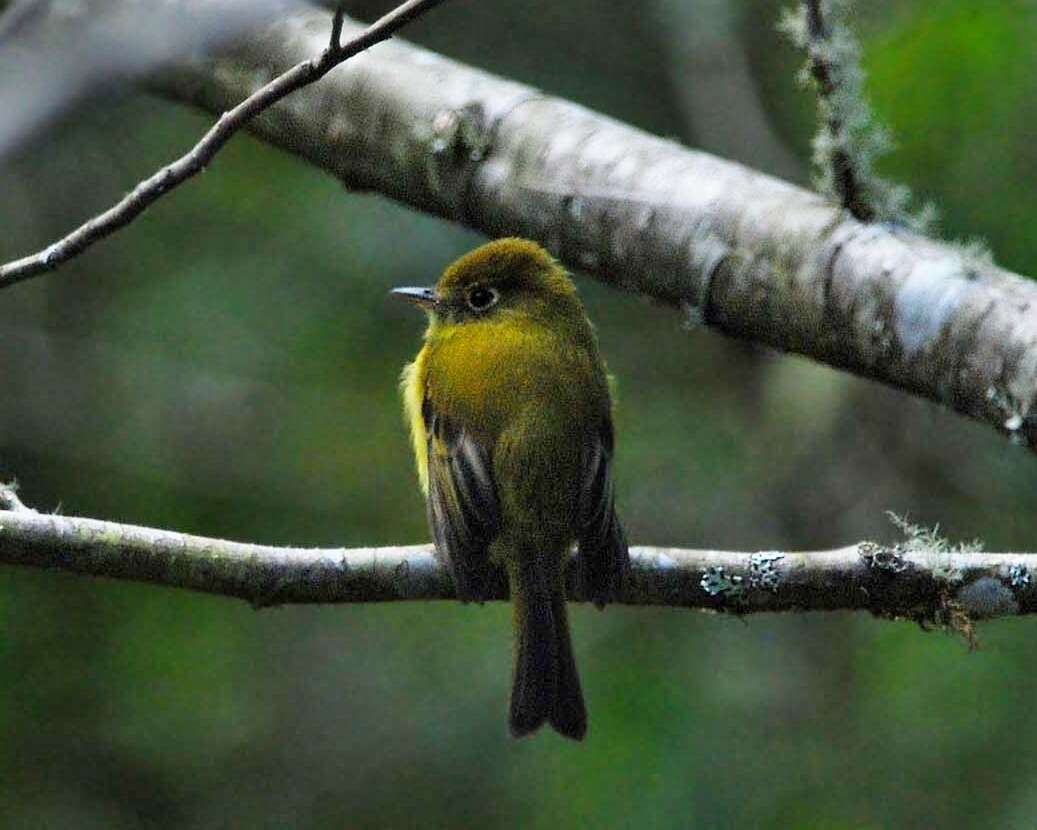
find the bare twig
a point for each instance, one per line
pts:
(336, 28)
(174, 174)
(932, 583)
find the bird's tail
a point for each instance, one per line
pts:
(546, 685)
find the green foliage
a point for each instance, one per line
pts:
(954, 77)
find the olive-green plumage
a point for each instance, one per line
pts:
(510, 415)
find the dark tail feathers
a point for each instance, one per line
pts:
(546, 684)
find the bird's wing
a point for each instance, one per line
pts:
(603, 557)
(463, 509)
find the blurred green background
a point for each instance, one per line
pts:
(228, 366)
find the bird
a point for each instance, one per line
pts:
(510, 413)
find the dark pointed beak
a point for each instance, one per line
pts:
(425, 297)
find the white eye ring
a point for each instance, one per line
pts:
(482, 297)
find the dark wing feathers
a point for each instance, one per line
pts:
(463, 509)
(603, 561)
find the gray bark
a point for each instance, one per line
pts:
(933, 585)
(748, 254)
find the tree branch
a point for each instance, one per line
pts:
(934, 584)
(172, 175)
(752, 256)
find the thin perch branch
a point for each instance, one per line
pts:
(936, 585)
(193, 162)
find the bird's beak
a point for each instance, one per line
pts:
(425, 297)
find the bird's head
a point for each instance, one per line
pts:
(513, 277)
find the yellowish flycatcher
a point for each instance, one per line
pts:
(510, 415)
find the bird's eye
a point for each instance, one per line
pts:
(481, 298)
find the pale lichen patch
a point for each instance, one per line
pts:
(717, 582)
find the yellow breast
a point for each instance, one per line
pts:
(484, 374)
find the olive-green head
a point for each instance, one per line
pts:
(506, 276)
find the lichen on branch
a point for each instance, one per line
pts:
(850, 139)
(921, 578)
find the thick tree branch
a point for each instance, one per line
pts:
(932, 585)
(151, 189)
(753, 256)
(750, 255)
